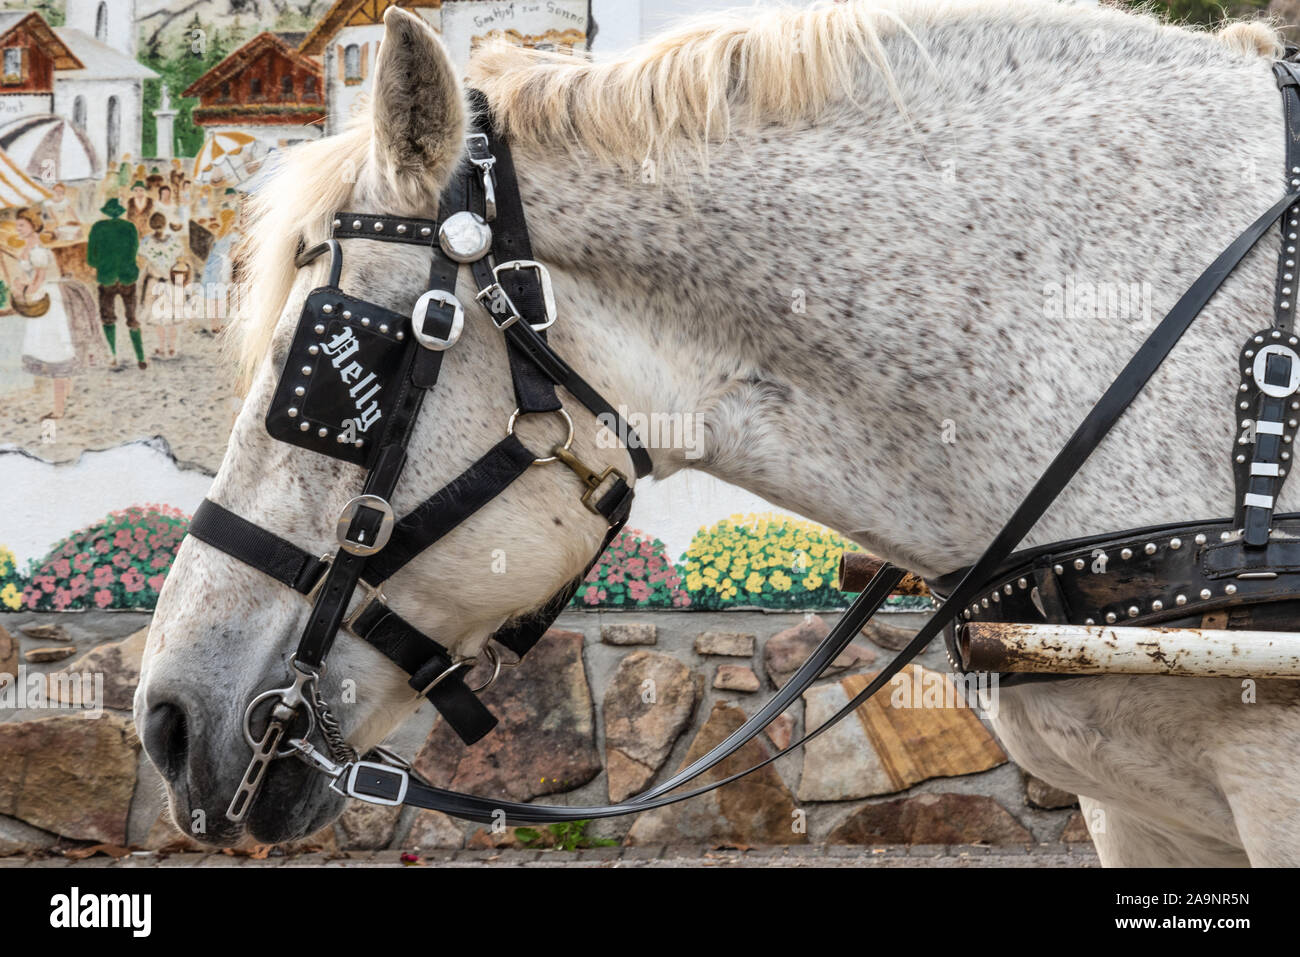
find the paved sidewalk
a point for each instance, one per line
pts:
(808, 855)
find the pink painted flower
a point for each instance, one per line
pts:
(62, 567)
(102, 546)
(83, 562)
(104, 576)
(44, 582)
(639, 591)
(591, 596)
(615, 576)
(31, 596)
(122, 560)
(156, 582)
(122, 538)
(132, 580)
(79, 586)
(141, 533)
(62, 599)
(160, 560)
(103, 598)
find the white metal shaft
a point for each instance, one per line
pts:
(1103, 649)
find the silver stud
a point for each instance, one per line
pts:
(1286, 305)
(1149, 548)
(1157, 605)
(340, 437)
(347, 313)
(401, 229)
(1007, 588)
(304, 426)
(1224, 536)
(300, 391)
(359, 442)
(1275, 333)
(1286, 455)
(1230, 589)
(293, 413)
(400, 335)
(1089, 621)
(306, 370)
(995, 597)
(1126, 553)
(1058, 569)
(1244, 405)
(313, 349)
(1241, 458)
(1134, 611)
(356, 224)
(984, 602)
(426, 231)
(1022, 583)
(1078, 564)
(1199, 539)
(1175, 543)
(1110, 618)
(1259, 339)
(337, 223)
(384, 328)
(365, 320)
(327, 309)
(379, 227)
(1205, 594)
(322, 431)
(320, 328)
(1244, 387)
(1250, 354)
(1180, 599)
(966, 614)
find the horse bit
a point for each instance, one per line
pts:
(352, 388)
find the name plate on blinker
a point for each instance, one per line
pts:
(346, 372)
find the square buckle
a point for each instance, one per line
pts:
(359, 546)
(373, 594)
(373, 783)
(448, 301)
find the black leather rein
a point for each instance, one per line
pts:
(368, 417)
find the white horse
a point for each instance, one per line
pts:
(837, 236)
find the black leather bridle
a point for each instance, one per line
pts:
(352, 387)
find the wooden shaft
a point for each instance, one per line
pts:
(1103, 649)
(858, 568)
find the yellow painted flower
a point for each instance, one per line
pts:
(754, 583)
(781, 581)
(812, 582)
(11, 597)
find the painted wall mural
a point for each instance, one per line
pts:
(131, 134)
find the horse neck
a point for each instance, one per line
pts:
(893, 340)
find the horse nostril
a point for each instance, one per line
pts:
(166, 739)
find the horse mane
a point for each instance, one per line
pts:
(780, 65)
(673, 95)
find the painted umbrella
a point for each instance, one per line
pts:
(49, 149)
(227, 156)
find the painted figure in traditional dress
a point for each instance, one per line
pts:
(62, 209)
(167, 207)
(163, 286)
(111, 252)
(139, 208)
(49, 349)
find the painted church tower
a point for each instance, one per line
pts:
(111, 22)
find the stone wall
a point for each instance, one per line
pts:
(608, 704)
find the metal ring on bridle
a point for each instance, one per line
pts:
(568, 439)
(496, 670)
(457, 663)
(248, 721)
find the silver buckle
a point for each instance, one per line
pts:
(373, 594)
(436, 343)
(498, 303)
(347, 784)
(455, 664)
(353, 547)
(1260, 364)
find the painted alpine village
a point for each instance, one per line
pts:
(624, 433)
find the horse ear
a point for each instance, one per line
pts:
(419, 113)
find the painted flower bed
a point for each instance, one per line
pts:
(117, 563)
(634, 572)
(767, 560)
(11, 582)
